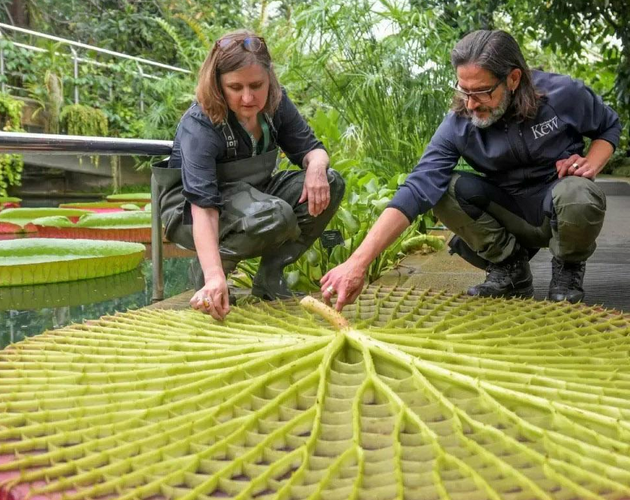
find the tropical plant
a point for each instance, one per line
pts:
(384, 70)
(10, 121)
(367, 195)
(78, 119)
(414, 395)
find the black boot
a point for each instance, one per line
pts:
(509, 278)
(269, 282)
(566, 281)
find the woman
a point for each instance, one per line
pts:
(228, 205)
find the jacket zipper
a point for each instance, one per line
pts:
(507, 134)
(528, 155)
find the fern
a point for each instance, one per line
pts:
(199, 30)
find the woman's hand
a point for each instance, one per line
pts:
(213, 298)
(346, 281)
(316, 189)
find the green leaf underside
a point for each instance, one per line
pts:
(427, 396)
(47, 260)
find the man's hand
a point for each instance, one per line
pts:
(213, 298)
(576, 165)
(316, 189)
(346, 281)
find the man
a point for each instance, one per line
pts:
(523, 132)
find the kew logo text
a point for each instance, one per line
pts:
(542, 129)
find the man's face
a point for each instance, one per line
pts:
(490, 105)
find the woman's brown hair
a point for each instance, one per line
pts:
(498, 52)
(229, 53)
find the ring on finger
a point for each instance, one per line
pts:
(330, 289)
(206, 302)
(574, 166)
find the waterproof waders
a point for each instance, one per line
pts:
(260, 217)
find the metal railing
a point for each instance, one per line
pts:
(14, 142)
(76, 59)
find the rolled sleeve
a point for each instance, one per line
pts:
(200, 146)
(295, 137)
(429, 180)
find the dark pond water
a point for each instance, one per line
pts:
(30, 310)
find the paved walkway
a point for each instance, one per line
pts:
(607, 279)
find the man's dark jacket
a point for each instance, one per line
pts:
(511, 153)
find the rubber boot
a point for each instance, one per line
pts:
(269, 282)
(510, 278)
(566, 281)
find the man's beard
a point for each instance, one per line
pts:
(495, 114)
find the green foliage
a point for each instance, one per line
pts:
(54, 102)
(412, 394)
(10, 121)
(367, 195)
(378, 69)
(78, 119)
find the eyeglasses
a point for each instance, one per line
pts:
(481, 96)
(250, 44)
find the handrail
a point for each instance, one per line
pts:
(92, 47)
(54, 144)
(18, 142)
(80, 59)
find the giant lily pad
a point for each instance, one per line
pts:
(8, 230)
(41, 260)
(422, 396)
(96, 206)
(130, 197)
(24, 216)
(9, 202)
(122, 226)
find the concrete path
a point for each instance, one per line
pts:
(607, 280)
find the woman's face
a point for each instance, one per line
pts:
(246, 90)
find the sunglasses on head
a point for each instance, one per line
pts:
(250, 43)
